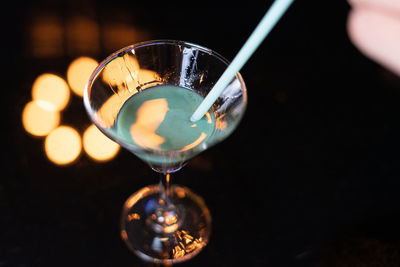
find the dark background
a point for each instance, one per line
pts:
(309, 178)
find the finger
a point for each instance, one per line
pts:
(377, 35)
(388, 5)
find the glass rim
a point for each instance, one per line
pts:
(112, 56)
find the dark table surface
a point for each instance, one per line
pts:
(311, 177)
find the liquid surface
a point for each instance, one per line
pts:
(159, 118)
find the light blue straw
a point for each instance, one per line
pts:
(274, 13)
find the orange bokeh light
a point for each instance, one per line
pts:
(39, 120)
(51, 91)
(63, 145)
(79, 72)
(46, 35)
(82, 35)
(98, 146)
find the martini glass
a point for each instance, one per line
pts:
(163, 223)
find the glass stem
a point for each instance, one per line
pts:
(165, 218)
(165, 188)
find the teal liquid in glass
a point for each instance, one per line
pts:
(158, 118)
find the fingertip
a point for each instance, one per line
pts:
(377, 35)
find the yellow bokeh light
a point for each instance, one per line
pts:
(51, 91)
(63, 145)
(37, 120)
(97, 145)
(79, 72)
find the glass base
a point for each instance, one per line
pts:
(165, 231)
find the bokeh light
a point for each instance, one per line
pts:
(119, 34)
(63, 145)
(45, 35)
(51, 91)
(79, 72)
(98, 146)
(39, 120)
(82, 35)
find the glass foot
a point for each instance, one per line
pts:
(165, 231)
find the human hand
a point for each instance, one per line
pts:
(374, 28)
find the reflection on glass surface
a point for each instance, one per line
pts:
(186, 244)
(124, 77)
(133, 216)
(110, 108)
(149, 117)
(121, 74)
(124, 74)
